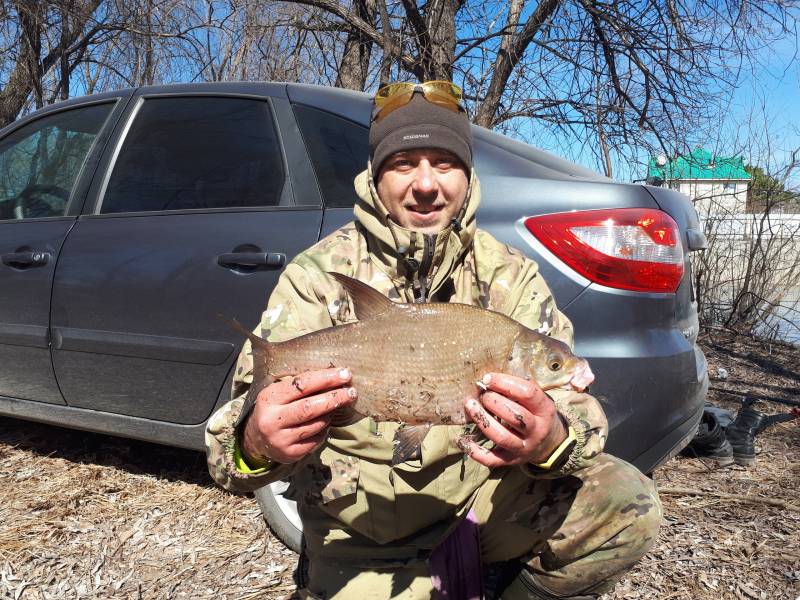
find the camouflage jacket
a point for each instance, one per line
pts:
(386, 504)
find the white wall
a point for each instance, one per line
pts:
(714, 197)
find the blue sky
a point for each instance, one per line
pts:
(772, 96)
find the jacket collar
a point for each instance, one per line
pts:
(389, 243)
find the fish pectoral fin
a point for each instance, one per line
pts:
(408, 442)
(465, 441)
(367, 301)
(470, 435)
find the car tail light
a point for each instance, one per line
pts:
(628, 248)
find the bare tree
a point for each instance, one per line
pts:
(748, 279)
(50, 49)
(627, 73)
(615, 80)
(51, 39)
(248, 40)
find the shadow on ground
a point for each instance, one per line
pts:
(773, 365)
(133, 456)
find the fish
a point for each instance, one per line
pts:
(415, 364)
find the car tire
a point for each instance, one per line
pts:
(281, 514)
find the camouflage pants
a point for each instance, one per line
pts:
(577, 535)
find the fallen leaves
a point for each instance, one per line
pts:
(730, 532)
(89, 516)
(150, 527)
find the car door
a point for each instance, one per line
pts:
(192, 221)
(42, 164)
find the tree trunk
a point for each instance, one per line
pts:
(64, 59)
(354, 66)
(390, 51)
(440, 51)
(26, 76)
(606, 154)
(148, 70)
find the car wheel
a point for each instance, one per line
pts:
(281, 515)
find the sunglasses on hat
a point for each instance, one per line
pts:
(395, 95)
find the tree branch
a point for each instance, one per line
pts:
(681, 491)
(510, 53)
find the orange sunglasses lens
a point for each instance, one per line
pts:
(393, 103)
(444, 88)
(387, 92)
(391, 97)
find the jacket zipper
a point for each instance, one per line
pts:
(429, 245)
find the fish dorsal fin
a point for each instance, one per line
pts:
(367, 301)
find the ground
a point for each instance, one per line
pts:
(90, 516)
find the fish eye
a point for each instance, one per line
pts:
(553, 363)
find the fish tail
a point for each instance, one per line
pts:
(258, 342)
(261, 350)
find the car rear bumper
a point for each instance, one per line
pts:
(672, 443)
(648, 426)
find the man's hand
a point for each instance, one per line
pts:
(291, 416)
(518, 417)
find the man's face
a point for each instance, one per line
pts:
(423, 189)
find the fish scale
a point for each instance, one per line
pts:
(414, 370)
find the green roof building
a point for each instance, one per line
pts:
(700, 164)
(716, 184)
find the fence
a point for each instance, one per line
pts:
(748, 226)
(750, 275)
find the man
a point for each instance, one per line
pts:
(544, 495)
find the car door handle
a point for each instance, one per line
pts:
(270, 260)
(30, 258)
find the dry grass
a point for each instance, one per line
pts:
(89, 516)
(711, 547)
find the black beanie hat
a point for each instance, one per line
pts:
(420, 124)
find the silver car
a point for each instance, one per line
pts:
(130, 220)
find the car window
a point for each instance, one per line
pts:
(195, 153)
(40, 162)
(339, 151)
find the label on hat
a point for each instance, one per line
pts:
(416, 136)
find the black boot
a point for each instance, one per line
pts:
(513, 580)
(748, 424)
(710, 442)
(526, 586)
